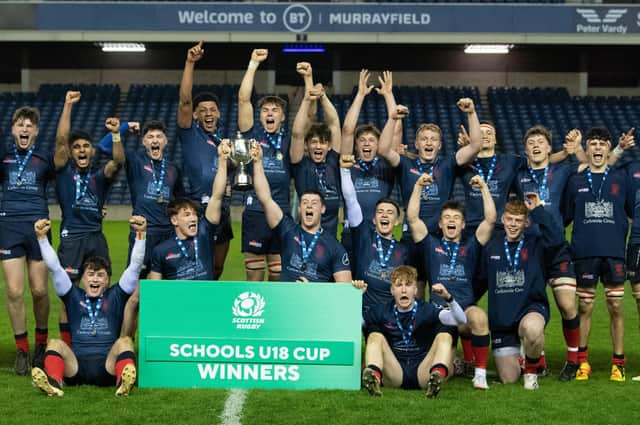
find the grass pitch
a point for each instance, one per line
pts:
(597, 401)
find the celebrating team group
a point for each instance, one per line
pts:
(507, 240)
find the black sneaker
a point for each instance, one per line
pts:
(23, 365)
(371, 382)
(47, 384)
(38, 356)
(433, 386)
(568, 372)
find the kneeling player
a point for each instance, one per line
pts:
(407, 340)
(518, 304)
(99, 356)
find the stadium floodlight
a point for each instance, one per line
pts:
(123, 47)
(501, 49)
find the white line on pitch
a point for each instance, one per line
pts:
(232, 413)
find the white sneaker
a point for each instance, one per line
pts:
(480, 382)
(636, 378)
(530, 381)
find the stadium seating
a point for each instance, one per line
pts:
(512, 109)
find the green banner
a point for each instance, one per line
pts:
(249, 335)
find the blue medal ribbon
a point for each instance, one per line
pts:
(406, 336)
(513, 263)
(542, 187)
(425, 194)
(276, 143)
(321, 173)
(185, 252)
(157, 183)
(93, 315)
(492, 168)
(383, 258)
(366, 166)
(598, 196)
(22, 164)
(82, 184)
(308, 249)
(452, 251)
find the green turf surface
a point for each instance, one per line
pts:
(596, 401)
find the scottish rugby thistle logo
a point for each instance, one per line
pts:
(247, 309)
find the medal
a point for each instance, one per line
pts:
(185, 253)
(82, 184)
(492, 168)
(157, 183)
(452, 252)
(383, 258)
(21, 163)
(93, 315)
(543, 189)
(307, 250)
(513, 264)
(406, 336)
(275, 143)
(598, 196)
(160, 199)
(366, 167)
(425, 194)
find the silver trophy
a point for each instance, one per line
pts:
(241, 157)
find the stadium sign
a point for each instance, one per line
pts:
(249, 335)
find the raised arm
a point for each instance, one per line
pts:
(61, 154)
(185, 107)
(61, 282)
(332, 120)
(131, 276)
(552, 232)
(354, 211)
(625, 142)
(272, 210)
(418, 229)
(351, 119)
(113, 165)
(302, 123)
(572, 146)
(385, 149)
(214, 207)
(454, 315)
(484, 230)
(468, 153)
(386, 91)
(306, 72)
(245, 108)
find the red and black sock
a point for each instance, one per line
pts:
(376, 371)
(22, 342)
(480, 345)
(583, 353)
(123, 359)
(54, 365)
(531, 364)
(441, 369)
(467, 348)
(41, 336)
(571, 331)
(65, 333)
(618, 359)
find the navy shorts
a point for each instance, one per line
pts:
(511, 338)
(18, 239)
(558, 262)
(633, 263)
(73, 252)
(611, 271)
(410, 373)
(92, 371)
(153, 240)
(257, 236)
